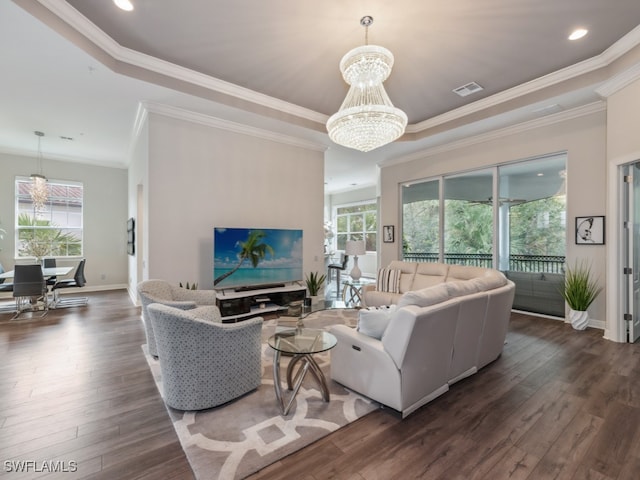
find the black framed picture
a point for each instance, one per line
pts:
(388, 234)
(590, 230)
(131, 236)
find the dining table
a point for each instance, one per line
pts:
(47, 272)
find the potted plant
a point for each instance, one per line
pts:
(579, 291)
(315, 281)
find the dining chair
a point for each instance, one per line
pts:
(4, 286)
(29, 288)
(338, 267)
(50, 263)
(78, 281)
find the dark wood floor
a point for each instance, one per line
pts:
(558, 404)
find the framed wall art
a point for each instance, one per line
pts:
(388, 234)
(590, 230)
(131, 236)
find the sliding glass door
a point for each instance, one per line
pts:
(532, 219)
(421, 221)
(511, 217)
(468, 218)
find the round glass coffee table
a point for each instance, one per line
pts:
(302, 343)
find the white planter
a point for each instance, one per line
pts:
(579, 320)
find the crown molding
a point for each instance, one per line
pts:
(215, 122)
(626, 43)
(80, 23)
(582, 111)
(119, 53)
(20, 152)
(618, 82)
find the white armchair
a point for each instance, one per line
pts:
(160, 291)
(205, 363)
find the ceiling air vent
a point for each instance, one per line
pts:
(468, 89)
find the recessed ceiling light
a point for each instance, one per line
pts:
(124, 4)
(578, 33)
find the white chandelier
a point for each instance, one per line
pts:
(367, 119)
(39, 191)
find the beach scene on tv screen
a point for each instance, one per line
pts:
(256, 256)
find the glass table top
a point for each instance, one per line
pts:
(302, 340)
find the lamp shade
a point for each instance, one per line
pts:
(355, 248)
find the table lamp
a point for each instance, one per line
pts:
(353, 249)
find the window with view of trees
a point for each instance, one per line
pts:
(357, 222)
(511, 217)
(54, 230)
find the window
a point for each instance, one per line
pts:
(357, 222)
(512, 214)
(56, 229)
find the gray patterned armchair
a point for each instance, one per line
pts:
(160, 291)
(205, 363)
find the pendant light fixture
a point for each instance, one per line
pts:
(39, 190)
(367, 119)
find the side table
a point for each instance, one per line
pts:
(352, 292)
(302, 343)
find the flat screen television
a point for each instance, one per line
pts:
(250, 257)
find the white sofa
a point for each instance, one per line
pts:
(433, 337)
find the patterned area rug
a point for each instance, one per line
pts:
(239, 438)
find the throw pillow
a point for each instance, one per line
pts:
(373, 321)
(388, 280)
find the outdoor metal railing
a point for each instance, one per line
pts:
(519, 263)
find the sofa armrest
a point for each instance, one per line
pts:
(361, 363)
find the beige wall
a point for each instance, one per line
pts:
(623, 135)
(584, 140)
(105, 215)
(623, 147)
(200, 177)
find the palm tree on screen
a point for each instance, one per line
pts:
(252, 249)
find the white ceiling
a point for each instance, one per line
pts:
(80, 68)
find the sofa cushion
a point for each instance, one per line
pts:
(458, 288)
(429, 274)
(464, 272)
(425, 297)
(407, 273)
(373, 321)
(388, 280)
(490, 280)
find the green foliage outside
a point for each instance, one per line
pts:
(45, 239)
(536, 228)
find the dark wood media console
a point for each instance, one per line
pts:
(242, 303)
